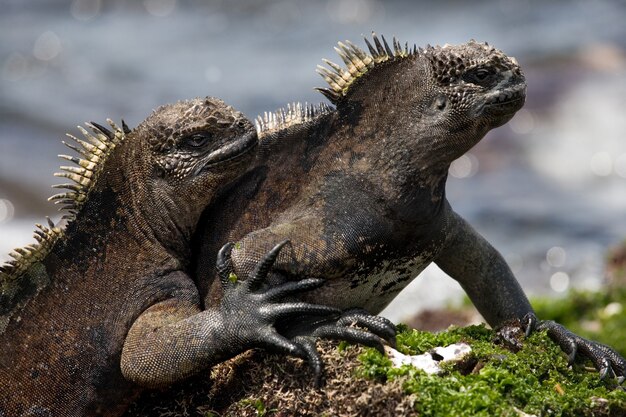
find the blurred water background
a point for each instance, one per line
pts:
(548, 189)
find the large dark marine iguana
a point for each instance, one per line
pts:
(104, 305)
(360, 190)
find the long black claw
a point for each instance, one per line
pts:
(277, 343)
(571, 356)
(282, 310)
(307, 344)
(376, 324)
(224, 264)
(350, 334)
(530, 323)
(263, 267)
(291, 288)
(604, 370)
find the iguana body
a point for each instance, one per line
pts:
(360, 190)
(105, 305)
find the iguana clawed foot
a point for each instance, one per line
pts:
(370, 331)
(251, 312)
(607, 361)
(254, 312)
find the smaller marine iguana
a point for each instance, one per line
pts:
(105, 304)
(360, 190)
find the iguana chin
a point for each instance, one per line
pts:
(360, 190)
(105, 305)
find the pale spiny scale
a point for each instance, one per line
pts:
(90, 165)
(62, 197)
(349, 58)
(80, 149)
(95, 140)
(359, 52)
(334, 80)
(334, 66)
(88, 148)
(78, 171)
(79, 179)
(354, 55)
(72, 187)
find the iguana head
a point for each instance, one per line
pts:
(444, 99)
(475, 81)
(192, 142)
(162, 173)
(189, 150)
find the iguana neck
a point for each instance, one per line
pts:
(132, 205)
(406, 174)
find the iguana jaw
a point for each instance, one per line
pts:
(232, 151)
(506, 99)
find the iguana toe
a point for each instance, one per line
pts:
(250, 309)
(607, 361)
(377, 325)
(350, 334)
(312, 356)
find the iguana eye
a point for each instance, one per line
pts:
(197, 140)
(478, 76)
(481, 74)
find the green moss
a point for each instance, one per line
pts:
(496, 381)
(258, 405)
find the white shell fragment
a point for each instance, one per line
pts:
(429, 362)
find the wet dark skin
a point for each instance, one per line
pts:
(105, 308)
(360, 192)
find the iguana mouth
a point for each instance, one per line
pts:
(233, 150)
(506, 98)
(509, 95)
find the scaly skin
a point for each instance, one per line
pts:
(360, 191)
(106, 306)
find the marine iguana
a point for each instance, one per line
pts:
(104, 305)
(360, 190)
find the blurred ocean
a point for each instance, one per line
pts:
(548, 189)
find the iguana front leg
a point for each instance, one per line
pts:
(492, 287)
(174, 339)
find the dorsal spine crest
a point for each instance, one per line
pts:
(358, 63)
(294, 114)
(94, 149)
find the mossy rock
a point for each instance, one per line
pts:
(492, 381)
